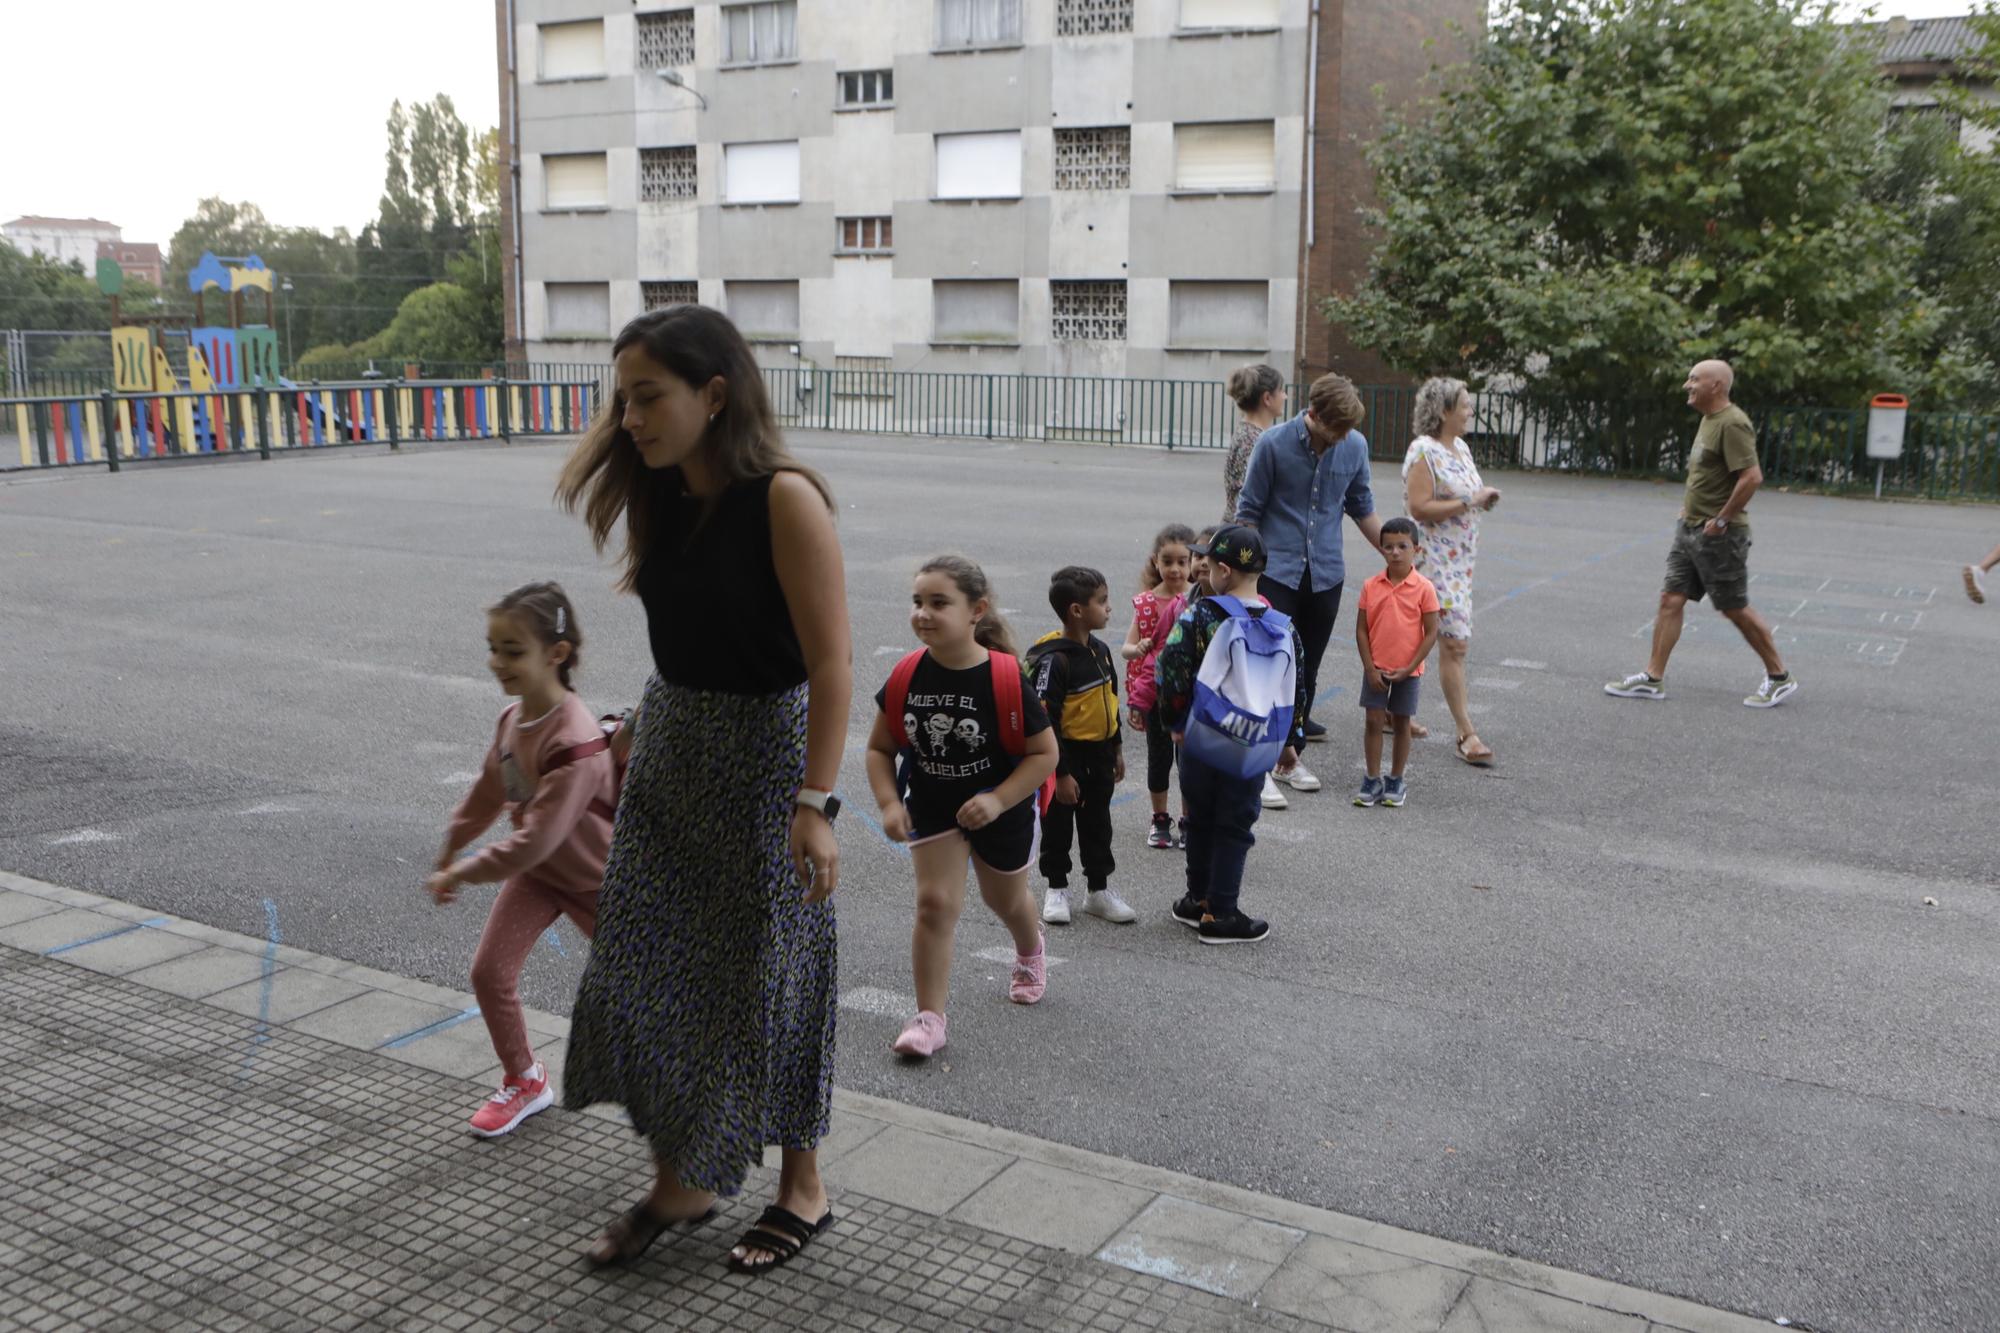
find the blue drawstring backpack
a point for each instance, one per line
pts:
(1244, 694)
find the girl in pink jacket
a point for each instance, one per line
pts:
(549, 768)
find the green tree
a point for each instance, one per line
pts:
(438, 323)
(1617, 188)
(325, 304)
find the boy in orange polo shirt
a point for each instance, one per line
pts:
(1396, 628)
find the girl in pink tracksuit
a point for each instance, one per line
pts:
(549, 768)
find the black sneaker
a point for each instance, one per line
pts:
(1162, 836)
(1188, 912)
(1232, 928)
(1315, 731)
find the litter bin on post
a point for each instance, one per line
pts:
(1887, 414)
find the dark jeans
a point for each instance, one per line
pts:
(1220, 812)
(1159, 752)
(1313, 614)
(1088, 823)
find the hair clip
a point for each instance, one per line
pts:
(561, 627)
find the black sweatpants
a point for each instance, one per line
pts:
(1088, 823)
(1313, 614)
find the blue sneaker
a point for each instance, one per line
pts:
(1370, 793)
(1394, 790)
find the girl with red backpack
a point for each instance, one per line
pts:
(549, 768)
(980, 760)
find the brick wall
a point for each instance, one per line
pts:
(1364, 45)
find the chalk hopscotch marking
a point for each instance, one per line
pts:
(1497, 683)
(1001, 953)
(465, 1015)
(458, 779)
(262, 1032)
(100, 937)
(555, 942)
(1521, 664)
(270, 808)
(83, 835)
(875, 1000)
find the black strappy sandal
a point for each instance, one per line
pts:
(783, 1233)
(633, 1232)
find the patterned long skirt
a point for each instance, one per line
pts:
(707, 1006)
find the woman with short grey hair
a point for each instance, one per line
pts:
(1444, 493)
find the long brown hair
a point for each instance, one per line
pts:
(990, 630)
(546, 611)
(1174, 534)
(605, 475)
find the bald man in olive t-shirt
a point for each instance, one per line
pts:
(1710, 555)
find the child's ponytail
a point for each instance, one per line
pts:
(990, 631)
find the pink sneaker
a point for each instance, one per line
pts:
(519, 1097)
(1031, 975)
(922, 1036)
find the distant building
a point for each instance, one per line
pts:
(62, 239)
(1156, 189)
(141, 260)
(1916, 54)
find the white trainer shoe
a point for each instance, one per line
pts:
(1273, 798)
(1300, 779)
(1107, 904)
(1055, 907)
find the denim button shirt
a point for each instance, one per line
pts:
(1295, 496)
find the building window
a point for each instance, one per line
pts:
(760, 173)
(1097, 159)
(1083, 18)
(666, 173)
(868, 87)
(979, 166)
(1226, 157)
(976, 312)
(660, 295)
(574, 180)
(666, 40)
(764, 311)
(573, 50)
(1092, 312)
(579, 309)
(1232, 315)
(968, 25)
(866, 235)
(1229, 13)
(760, 34)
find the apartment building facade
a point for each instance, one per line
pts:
(1105, 188)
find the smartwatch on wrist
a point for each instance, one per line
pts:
(812, 798)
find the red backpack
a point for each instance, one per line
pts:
(1007, 684)
(607, 727)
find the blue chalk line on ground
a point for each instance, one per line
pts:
(872, 823)
(465, 1015)
(555, 941)
(106, 935)
(262, 1033)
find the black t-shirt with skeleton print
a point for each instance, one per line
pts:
(951, 725)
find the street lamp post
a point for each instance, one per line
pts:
(286, 287)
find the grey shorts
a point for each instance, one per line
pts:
(1400, 699)
(1716, 567)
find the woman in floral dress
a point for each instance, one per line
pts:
(1444, 493)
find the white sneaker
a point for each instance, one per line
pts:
(1975, 584)
(1107, 904)
(1273, 798)
(1300, 779)
(1055, 907)
(1773, 692)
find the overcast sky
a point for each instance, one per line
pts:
(300, 133)
(302, 138)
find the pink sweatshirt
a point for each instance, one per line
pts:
(558, 837)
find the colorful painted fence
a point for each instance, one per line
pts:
(67, 431)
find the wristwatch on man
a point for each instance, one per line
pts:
(812, 798)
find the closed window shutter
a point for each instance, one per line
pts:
(763, 309)
(573, 50)
(1229, 13)
(575, 180)
(981, 311)
(579, 308)
(979, 166)
(760, 173)
(1225, 157)
(1233, 315)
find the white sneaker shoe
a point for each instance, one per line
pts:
(1773, 692)
(1107, 904)
(1273, 798)
(1055, 907)
(1975, 584)
(1300, 779)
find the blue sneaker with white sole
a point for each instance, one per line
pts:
(1370, 793)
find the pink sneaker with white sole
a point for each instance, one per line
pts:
(1031, 975)
(519, 1096)
(923, 1036)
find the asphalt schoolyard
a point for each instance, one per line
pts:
(1686, 995)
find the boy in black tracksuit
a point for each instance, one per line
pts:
(1077, 678)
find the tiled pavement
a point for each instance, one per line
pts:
(207, 1131)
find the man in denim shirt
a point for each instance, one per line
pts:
(1303, 475)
